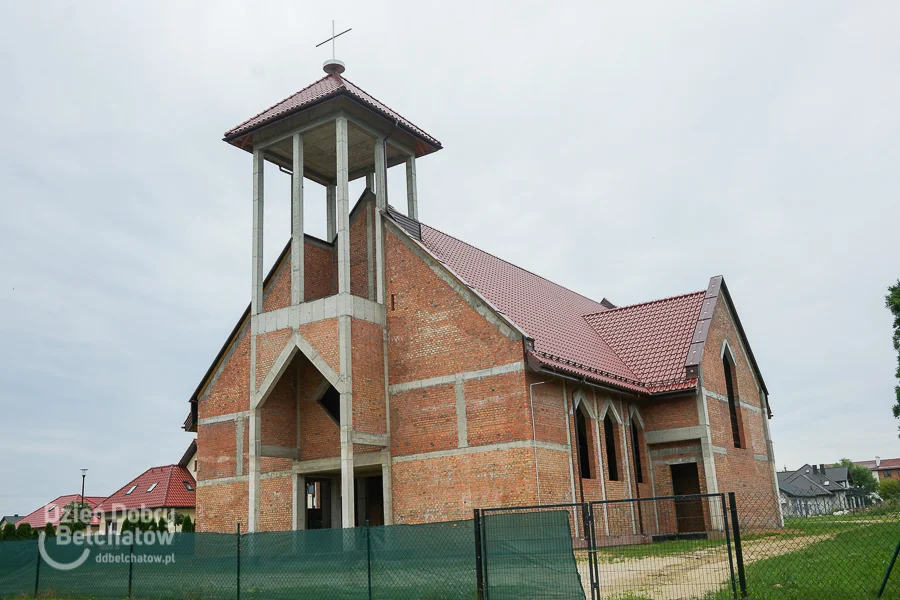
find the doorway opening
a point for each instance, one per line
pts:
(688, 511)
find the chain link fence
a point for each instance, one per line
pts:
(705, 546)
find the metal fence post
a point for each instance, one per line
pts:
(479, 575)
(890, 568)
(239, 561)
(728, 543)
(130, 569)
(738, 552)
(37, 572)
(369, 559)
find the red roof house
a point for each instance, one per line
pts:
(171, 486)
(52, 512)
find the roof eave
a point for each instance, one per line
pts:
(235, 134)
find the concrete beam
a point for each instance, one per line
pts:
(665, 436)
(325, 465)
(462, 434)
(465, 376)
(278, 452)
(297, 244)
(370, 439)
(478, 449)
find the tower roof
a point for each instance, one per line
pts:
(329, 87)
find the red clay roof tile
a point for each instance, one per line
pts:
(169, 491)
(52, 511)
(641, 348)
(327, 87)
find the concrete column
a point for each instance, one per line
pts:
(299, 502)
(387, 487)
(600, 459)
(331, 229)
(344, 342)
(256, 288)
(412, 201)
(342, 204)
(370, 181)
(569, 454)
(253, 491)
(380, 204)
(623, 410)
(335, 503)
(297, 274)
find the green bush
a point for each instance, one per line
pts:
(24, 532)
(9, 532)
(889, 489)
(49, 530)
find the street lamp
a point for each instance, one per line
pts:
(83, 475)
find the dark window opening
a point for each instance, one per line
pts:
(638, 470)
(732, 400)
(612, 463)
(393, 301)
(331, 402)
(581, 438)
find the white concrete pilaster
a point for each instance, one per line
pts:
(256, 286)
(297, 249)
(412, 201)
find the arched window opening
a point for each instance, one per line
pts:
(612, 461)
(733, 408)
(636, 450)
(581, 435)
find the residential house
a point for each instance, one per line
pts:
(12, 519)
(882, 468)
(52, 512)
(157, 492)
(817, 490)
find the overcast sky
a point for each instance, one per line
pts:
(623, 150)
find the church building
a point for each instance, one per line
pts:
(392, 373)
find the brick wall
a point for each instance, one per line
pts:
(222, 507)
(276, 497)
(359, 248)
(738, 470)
(449, 488)
(323, 337)
(432, 330)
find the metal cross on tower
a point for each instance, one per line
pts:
(331, 39)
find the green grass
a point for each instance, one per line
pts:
(849, 565)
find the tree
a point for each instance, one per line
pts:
(889, 489)
(187, 526)
(76, 516)
(9, 532)
(49, 530)
(861, 476)
(161, 525)
(24, 532)
(892, 302)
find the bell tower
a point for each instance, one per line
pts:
(330, 132)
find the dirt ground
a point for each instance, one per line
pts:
(683, 576)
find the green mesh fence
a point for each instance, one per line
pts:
(435, 561)
(18, 561)
(530, 555)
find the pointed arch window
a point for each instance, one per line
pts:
(581, 438)
(636, 450)
(734, 411)
(612, 460)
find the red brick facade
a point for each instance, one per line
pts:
(469, 424)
